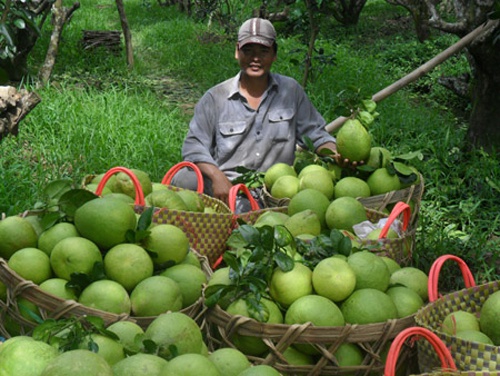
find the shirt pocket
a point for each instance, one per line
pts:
(280, 122)
(232, 133)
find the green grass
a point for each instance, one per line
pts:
(97, 113)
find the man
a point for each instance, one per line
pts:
(253, 120)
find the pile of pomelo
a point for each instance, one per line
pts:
(102, 259)
(172, 344)
(483, 327)
(360, 288)
(155, 193)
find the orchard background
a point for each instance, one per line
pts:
(97, 111)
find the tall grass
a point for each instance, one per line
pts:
(97, 113)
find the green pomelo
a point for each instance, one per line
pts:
(74, 255)
(229, 361)
(381, 181)
(156, 295)
(24, 356)
(311, 199)
(271, 218)
(458, 321)
(140, 365)
(474, 336)
(320, 180)
(489, 323)
(106, 295)
(220, 277)
(351, 186)
(354, 141)
(349, 355)
(121, 196)
(285, 187)
(190, 280)
(192, 259)
(169, 244)
(318, 310)
(345, 212)
(254, 345)
(304, 222)
(166, 198)
(368, 306)
(379, 157)
(392, 264)
(260, 370)
(334, 279)
(370, 270)
(92, 187)
(125, 185)
(413, 278)
(175, 329)
(105, 221)
(16, 233)
(276, 171)
(78, 363)
(192, 200)
(57, 287)
(407, 301)
(31, 264)
(110, 184)
(50, 237)
(190, 365)
(297, 358)
(311, 168)
(127, 333)
(375, 234)
(287, 287)
(128, 264)
(111, 350)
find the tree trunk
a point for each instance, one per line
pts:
(484, 124)
(126, 33)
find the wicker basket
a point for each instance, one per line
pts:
(468, 355)
(374, 339)
(51, 306)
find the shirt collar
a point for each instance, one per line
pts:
(235, 89)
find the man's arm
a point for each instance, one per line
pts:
(220, 183)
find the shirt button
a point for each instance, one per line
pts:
(257, 154)
(258, 132)
(231, 130)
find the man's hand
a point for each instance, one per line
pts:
(220, 183)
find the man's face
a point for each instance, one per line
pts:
(255, 59)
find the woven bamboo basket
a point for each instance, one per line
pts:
(374, 339)
(51, 306)
(468, 355)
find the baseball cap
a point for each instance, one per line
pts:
(257, 30)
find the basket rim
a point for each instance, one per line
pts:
(58, 307)
(308, 332)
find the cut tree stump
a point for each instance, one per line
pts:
(109, 39)
(14, 106)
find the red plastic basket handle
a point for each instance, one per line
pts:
(139, 194)
(233, 193)
(399, 208)
(436, 268)
(442, 351)
(170, 174)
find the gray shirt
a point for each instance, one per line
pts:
(227, 132)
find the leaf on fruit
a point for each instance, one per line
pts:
(79, 281)
(73, 199)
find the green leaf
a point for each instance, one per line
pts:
(282, 236)
(72, 199)
(284, 261)
(56, 188)
(409, 156)
(149, 346)
(19, 23)
(7, 33)
(145, 219)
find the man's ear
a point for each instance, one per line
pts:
(237, 52)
